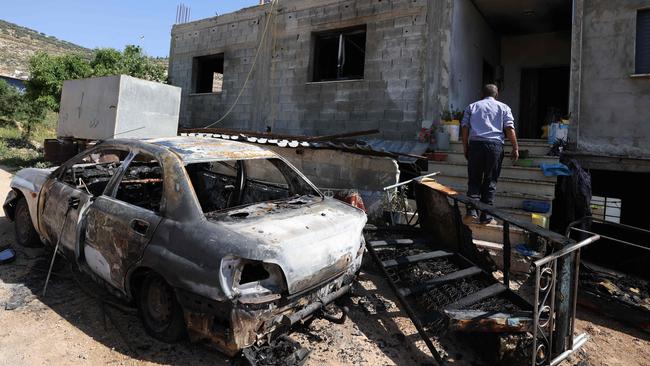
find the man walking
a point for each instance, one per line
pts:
(484, 126)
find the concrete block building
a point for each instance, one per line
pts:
(331, 66)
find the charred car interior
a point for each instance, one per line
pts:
(227, 184)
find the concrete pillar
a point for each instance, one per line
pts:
(437, 66)
(576, 73)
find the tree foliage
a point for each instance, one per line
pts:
(131, 62)
(48, 72)
(15, 106)
(10, 101)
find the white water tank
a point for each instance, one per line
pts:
(118, 106)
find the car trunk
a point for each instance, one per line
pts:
(310, 238)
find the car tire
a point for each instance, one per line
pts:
(24, 230)
(160, 311)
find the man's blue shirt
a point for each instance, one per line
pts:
(487, 120)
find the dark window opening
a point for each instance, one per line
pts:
(208, 74)
(92, 172)
(643, 42)
(339, 55)
(142, 183)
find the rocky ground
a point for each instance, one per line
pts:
(68, 326)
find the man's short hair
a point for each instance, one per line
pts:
(490, 90)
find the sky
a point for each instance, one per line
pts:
(112, 23)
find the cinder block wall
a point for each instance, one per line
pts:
(281, 95)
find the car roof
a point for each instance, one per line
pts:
(203, 149)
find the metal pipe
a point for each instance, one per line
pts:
(574, 295)
(579, 342)
(565, 251)
(506, 254)
(609, 223)
(639, 246)
(410, 181)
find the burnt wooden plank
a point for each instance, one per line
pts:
(412, 259)
(398, 242)
(471, 299)
(429, 284)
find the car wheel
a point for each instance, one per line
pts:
(26, 234)
(161, 313)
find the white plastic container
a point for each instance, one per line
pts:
(118, 106)
(453, 131)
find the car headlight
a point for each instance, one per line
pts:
(251, 280)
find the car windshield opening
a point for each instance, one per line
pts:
(222, 185)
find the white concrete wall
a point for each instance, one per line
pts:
(530, 51)
(472, 42)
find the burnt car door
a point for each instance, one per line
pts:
(120, 224)
(83, 177)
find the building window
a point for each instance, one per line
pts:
(340, 54)
(606, 208)
(643, 42)
(208, 74)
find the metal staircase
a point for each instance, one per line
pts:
(516, 185)
(441, 281)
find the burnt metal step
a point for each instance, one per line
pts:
(398, 242)
(412, 259)
(472, 299)
(430, 284)
(413, 284)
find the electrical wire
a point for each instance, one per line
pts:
(250, 72)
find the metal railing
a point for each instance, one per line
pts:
(544, 305)
(556, 281)
(396, 192)
(591, 219)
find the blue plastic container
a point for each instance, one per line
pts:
(537, 206)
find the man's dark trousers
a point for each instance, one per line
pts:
(483, 169)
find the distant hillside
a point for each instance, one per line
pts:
(18, 44)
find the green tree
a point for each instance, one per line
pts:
(47, 74)
(132, 61)
(32, 114)
(10, 101)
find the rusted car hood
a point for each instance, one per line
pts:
(311, 241)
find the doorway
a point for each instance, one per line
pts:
(544, 99)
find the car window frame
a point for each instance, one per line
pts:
(288, 164)
(60, 171)
(114, 184)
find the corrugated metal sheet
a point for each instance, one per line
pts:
(403, 151)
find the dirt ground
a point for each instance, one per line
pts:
(68, 326)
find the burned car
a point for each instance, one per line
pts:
(223, 241)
